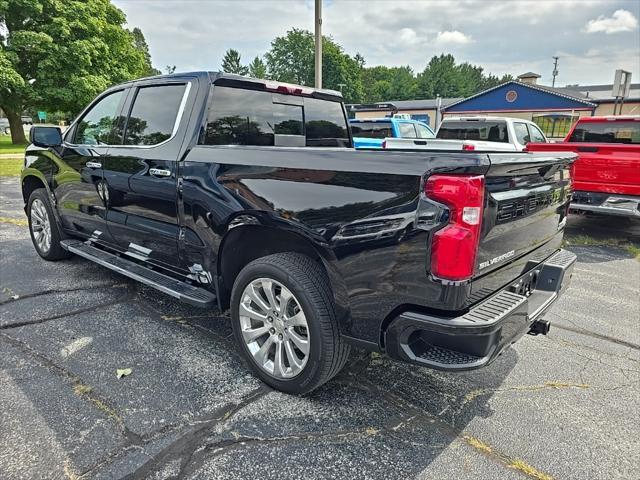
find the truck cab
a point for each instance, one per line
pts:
(490, 133)
(371, 133)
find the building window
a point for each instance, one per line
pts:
(555, 125)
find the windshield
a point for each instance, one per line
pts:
(607, 132)
(371, 129)
(487, 131)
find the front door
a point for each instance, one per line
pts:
(141, 174)
(78, 182)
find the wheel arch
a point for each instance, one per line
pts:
(30, 183)
(245, 243)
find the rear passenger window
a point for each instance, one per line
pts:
(251, 117)
(407, 130)
(154, 114)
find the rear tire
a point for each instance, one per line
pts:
(45, 233)
(289, 338)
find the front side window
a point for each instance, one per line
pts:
(97, 125)
(153, 114)
(522, 134)
(407, 130)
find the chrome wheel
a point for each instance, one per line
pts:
(40, 225)
(274, 328)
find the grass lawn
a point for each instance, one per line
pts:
(10, 167)
(7, 147)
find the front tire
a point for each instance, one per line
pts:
(45, 233)
(284, 320)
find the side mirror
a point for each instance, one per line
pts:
(45, 136)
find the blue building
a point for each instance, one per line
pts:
(553, 109)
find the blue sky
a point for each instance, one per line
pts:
(592, 38)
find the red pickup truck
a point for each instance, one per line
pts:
(607, 173)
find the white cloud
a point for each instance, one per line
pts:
(620, 21)
(408, 36)
(452, 37)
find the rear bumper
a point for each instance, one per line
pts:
(476, 338)
(606, 203)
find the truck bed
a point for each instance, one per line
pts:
(362, 209)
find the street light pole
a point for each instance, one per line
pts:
(318, 44)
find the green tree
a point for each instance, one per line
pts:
(444, 77)
(59, 55)
(383, 84)
(291, 59)
(231, 63)
(440, 77)
(141, 44)
(257, 68)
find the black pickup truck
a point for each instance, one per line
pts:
(230, 192)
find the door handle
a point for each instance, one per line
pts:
(93, 164)
(160, 172)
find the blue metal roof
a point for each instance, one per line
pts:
(518, 96)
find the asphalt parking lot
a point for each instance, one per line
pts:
(564, 406)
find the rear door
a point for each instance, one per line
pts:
(141, 173)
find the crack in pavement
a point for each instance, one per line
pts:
(123, 299)
(599, 336)
(187, 444)
(18, 297)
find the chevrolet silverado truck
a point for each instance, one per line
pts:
(227, 192)
(606, 176)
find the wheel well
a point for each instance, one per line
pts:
(29, 184)
(246, 243)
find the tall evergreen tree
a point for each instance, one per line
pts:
(257, 68)
(231, 63)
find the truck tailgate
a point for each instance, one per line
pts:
(601, 167)
(527, 197)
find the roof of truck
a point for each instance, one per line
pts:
(214, 76)
(610, 118)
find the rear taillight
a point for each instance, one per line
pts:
(454, 247)
(468, 146)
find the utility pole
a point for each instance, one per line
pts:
(555, 71)
(318, 43)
